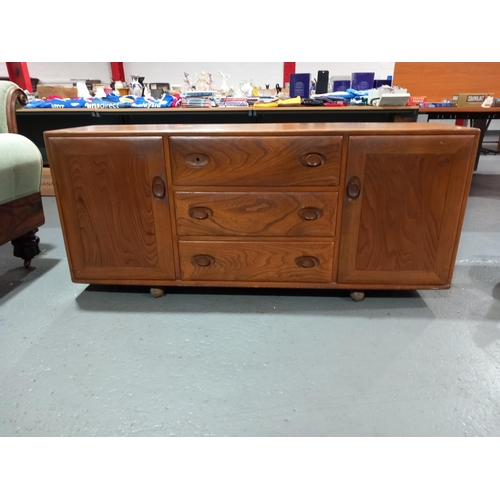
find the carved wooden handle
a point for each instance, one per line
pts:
(312, 160)
(197, 160)
(310, 213)
(200, 213)
(202, 260)
(306, 261)
(159, 189)
(353, 188)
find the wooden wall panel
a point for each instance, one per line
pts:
(440, 80)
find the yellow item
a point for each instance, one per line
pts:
(273, 104)
(293, 101)
(255, 92)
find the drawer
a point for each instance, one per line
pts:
(256, 261)
(256, 161)
(256, 214)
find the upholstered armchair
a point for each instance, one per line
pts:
(21, 211)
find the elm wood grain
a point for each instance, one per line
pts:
(20, 216)
(256, 161)
(403, 226)
(261, 129)
(173, 228)
(115, 225)
(442, 80)
(248, 261)
(400, 140)
(256, 214)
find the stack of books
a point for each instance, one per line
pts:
(199, 99)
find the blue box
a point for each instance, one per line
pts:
(300, 83)
(362, 81)
(341, 85)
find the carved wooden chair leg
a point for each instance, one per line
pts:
(26, 247)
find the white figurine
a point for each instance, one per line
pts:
(224, 88)
(186, 83)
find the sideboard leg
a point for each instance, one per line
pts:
(357, 296)
(157, 291)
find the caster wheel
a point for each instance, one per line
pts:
(357, 296)
(157, 292)
(27, 263)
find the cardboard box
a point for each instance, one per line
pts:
(468, 100)
(47, 184)
(45, 91)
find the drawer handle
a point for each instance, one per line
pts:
(197, 160)
(200, 213)
(312, 160)
(310, 213)
(159, 189)
(353, 188)
(202, 260)
(307, 261)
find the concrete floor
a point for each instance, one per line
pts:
(95, 361)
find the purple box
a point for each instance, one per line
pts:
(341, 85)
(300, 84)
(362, 81)
(379, 83)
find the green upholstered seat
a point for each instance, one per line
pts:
(20, 167)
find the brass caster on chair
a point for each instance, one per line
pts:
(27, 263)
(357, 296)
(157, 292)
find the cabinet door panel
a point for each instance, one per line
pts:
(113, 203)
(403, 228)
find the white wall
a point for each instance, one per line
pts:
(261, 73)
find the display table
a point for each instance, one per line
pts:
(319, 205)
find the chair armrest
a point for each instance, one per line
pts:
(14, 96)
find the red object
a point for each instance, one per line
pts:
(416, 100)
(288, 69)
(335, 104)
(462, 122)
(19, 74)
(117, 71)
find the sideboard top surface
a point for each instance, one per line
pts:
(266, 129)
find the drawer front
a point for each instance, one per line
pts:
(256, 214)
(256, 161)
(249, 261)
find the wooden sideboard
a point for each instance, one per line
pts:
(356, 206)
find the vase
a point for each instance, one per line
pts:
(135, 86)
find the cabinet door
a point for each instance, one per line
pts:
(113, 203)
(403, 208)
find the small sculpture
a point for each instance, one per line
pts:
(135, 86)
(204, 82)
(246, 87)
(224, 88)
(186, 83)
